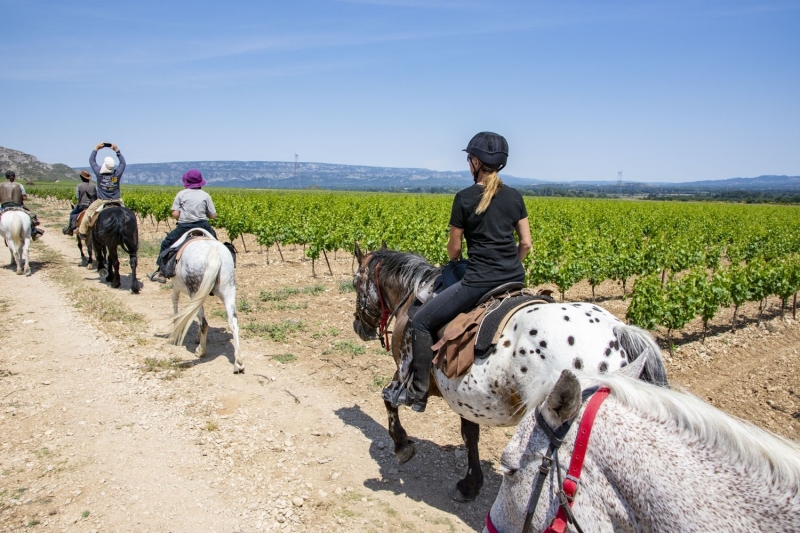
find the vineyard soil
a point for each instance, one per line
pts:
(105, 427)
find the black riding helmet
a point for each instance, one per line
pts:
(490, 148)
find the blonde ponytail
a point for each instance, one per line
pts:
(491, 184)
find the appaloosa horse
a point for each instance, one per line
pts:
(205, 266)
(15, 227)
(653, 460)
(538, 342)
(115, 226)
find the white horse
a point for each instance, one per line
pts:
(657, 460)
(15, 226)
(499, 390)
(205, 266)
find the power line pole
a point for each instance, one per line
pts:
(619, 179)
(296, 174)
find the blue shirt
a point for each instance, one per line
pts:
(107, 184)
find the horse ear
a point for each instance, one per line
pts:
(383, 246)
(635, 369)
(358, 254)
(564, 400)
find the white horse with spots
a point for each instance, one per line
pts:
(15, 227)
(657, 460)
(537, 343)
(205, 266)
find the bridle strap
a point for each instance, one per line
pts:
(383, 324)
(570, 484)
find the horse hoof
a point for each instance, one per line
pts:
(405, 453)
(89, 266)
(238, 371)
(458, 496)
(103, 273)
(28, 273)
(19, 272)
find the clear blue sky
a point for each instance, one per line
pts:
(664, 90)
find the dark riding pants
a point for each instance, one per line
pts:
(179, 230)
(447, 305)
(73, 215)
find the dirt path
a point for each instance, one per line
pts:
(105, 427)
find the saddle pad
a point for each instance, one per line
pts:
(190, 240)
(498, 316)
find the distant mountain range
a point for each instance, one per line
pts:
(28, 168)
(285, 175)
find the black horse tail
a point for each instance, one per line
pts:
(118, 228)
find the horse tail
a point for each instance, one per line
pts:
(636, 342)
(129, 242)
(182, 321)
(17, 231)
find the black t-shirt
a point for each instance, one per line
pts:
(492, 250)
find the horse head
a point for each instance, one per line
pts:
(368, 308)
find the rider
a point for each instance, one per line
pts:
(108, 181)
(13, 195)
(85, 194)
(487, 214)
(192, 207)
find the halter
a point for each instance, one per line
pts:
(569, 485)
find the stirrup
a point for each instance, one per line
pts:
(157, 276)
(397, 394)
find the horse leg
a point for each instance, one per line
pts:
(202, 333)
(25, 255)
(80, 247)
(136, 285)
(176, 294)
(113, 268)
(233, 323)
(468, 488)
(403, 447)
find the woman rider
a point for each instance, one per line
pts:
(487, 214)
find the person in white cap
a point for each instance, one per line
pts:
(109, 177)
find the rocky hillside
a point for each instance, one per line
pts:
(29, 168)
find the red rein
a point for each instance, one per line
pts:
(383, 325)
(559, 524)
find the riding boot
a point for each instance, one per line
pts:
(157, 276)
(414, 394)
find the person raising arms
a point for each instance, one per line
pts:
(109, 176)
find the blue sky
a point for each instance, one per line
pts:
(663, 91)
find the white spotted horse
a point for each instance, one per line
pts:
(206, 266)
(646, 459)
(539, 341)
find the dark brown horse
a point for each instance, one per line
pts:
(539, 342)
(115, 226)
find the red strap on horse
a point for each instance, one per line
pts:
(383, 325)
(560, 522)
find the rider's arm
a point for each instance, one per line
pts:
(93, 162)
(524, 232)
(24, 194)
(211, 211)
(454, 244)
(176, 214)
(121, 166)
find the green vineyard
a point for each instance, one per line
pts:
(684, 260)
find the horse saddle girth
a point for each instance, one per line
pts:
(476, 332)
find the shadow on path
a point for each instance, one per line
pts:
(429, 475)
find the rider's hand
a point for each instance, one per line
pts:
(114, 147)
(99, 146)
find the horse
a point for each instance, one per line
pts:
(15, 227)
(81, 239)
(500, 389)
(115, 226)
(205, 266)
(656, 460)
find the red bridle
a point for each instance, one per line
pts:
(570, 486)
(386, 313)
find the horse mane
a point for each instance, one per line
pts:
(401, 270)
(771, 456)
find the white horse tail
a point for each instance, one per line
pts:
(182, 321)
(17, 232)
(636, 342)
